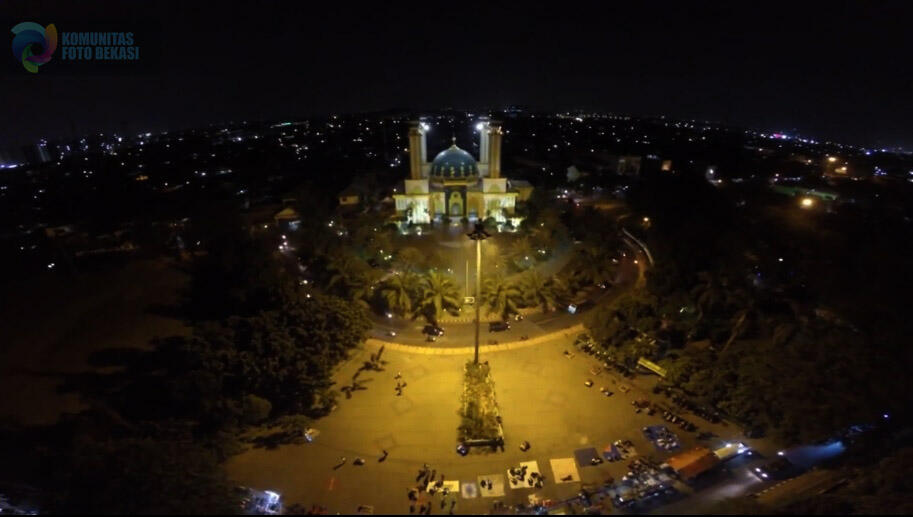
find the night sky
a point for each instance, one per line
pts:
(837, 70)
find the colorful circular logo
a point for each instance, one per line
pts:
(31, 38)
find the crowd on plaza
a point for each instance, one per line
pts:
(428, 482)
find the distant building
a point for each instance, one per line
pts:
(53, 232)
(628, 165)
(625, 165)
(523, 188)
(349, 197)
(288, 219)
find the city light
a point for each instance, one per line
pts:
(807, 202)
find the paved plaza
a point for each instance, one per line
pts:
(543, 400)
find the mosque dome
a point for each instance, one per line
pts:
(454, 163)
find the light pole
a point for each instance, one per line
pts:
(478, 235)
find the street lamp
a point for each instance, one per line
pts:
(478, 235)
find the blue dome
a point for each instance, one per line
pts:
(454, 163)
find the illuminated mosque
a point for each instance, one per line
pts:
(456, 185)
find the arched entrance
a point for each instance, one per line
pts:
(456, 204)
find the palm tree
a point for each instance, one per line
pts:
(710, 293)
(438, 293)
(748, 310)
(493, 259)
(398, 291)
(350, 278)
(409, 259)
(521, 252)
(500, 295)
(592, 265)
(541, 291)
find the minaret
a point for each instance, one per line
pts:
(417, 151)
(494, 149)
(482, 127)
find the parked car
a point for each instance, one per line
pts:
(779, 468)
(433, 330)
(498, 326)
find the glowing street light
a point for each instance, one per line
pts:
(807, 202)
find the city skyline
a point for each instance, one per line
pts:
(831, 71)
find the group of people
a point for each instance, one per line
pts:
(518, 475)
(427, 480)
(400, 383)
(360, 461)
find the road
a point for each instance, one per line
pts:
(736, 480)
(459, 334)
